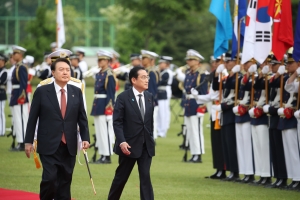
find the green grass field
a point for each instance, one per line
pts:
(171, 178)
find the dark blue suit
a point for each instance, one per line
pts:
(130, 127)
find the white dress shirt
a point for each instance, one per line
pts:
(136, 93)
(58, 93)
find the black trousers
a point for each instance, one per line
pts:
(216, 147)
(229, 147)
(57, 174)
(277, 154)
(123, 171)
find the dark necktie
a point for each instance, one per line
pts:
(141, 106)
(63, 106)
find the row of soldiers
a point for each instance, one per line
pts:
(254, 120)
(105, 75)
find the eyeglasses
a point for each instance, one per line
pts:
(144, 77)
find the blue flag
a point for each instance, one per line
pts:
(296, 51)
(221, 9)
(239, 12)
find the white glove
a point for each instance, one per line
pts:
(265, 69)
(251, 113)
(297, 114)
(281, 69)
(220, 68)
(216, 107)
(235, 109)
(266, 108)
(200, 114)
(194, 92)
(108, 117)
(298, 71)
(236, 69)
(252, 68)
(280, 111)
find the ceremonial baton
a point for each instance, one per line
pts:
(87, 165)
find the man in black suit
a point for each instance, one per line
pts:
(59, 108)
(133, 127)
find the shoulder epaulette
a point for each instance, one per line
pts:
(109, 72)
(75, 80)
(46, 81)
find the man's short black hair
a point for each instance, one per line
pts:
(65, 60)
(134, 72)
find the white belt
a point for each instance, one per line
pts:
(162, 87)
(100, 96)
(2, 86)
(15, 86)
(189, 96)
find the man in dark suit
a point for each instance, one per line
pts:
(133, 127)
(59, 108)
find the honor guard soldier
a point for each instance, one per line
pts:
(102, 109)
(227, 116)
(19, 98)
(215, 131)
(43, 71)
(53, 46)
(3, 97)
(193, 112)
(276, 143)
(259, 127)
(164, 94)
(74, 59)
(288, 122)
(115, 60)
(82, 63)
(148, 58)
(29, 61)
(242, 123)
(122, 72)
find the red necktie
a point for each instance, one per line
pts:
(63, 106)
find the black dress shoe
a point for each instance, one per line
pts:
(266, 181)
(103, 160)
(257, 182)
(19, 147)
(280, 183)
(196, 159)
(295, 185)
(221, 174)
(248, 179)
(233, 176)
(212, 176)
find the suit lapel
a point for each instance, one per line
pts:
(70, 101)
(53, 98)
(134, 104)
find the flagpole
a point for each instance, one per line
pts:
(56, 1)
(238, 61)
(281, 86)
(266, 88)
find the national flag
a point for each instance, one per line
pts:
(282, 40)
(296, 52)
(249, 42)
(221, 9)
(263, 28)
(60, 27)
(240, 11)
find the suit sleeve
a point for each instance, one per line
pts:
(23, 76)
(44, 74)
(152, 84)
(110, 90)
(83, 121)
(3, 78)
(33, 116)
(118, 119)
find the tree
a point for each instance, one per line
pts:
(166, 27)
(41, 35)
